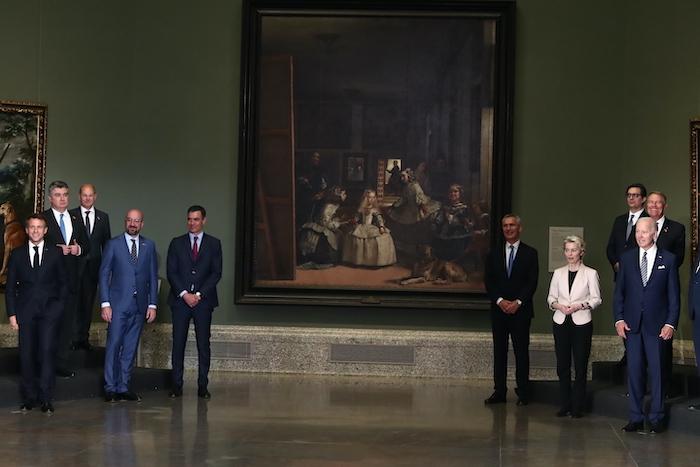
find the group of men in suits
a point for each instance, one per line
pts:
(53, 279)
(645, 250)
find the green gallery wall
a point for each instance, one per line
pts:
(143, 100)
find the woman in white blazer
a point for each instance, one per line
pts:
(573, 293)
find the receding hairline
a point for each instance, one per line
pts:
(85, 185)
(134, 210)
(648, 220)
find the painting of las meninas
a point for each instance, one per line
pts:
(423, 93)
(22, 165)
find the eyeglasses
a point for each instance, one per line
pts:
(634, 195)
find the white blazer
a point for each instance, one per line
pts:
(585, 290)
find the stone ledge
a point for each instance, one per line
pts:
(277, 349)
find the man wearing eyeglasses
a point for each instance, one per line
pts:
(622, 234)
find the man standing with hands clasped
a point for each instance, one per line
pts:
(511, 280)
(128, 296)
(646, 307)
(194, 269)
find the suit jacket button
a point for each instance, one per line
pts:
(194, 272)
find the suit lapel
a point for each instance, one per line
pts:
(658, 263)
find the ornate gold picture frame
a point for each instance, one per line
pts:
(22, 170)
(694, 193)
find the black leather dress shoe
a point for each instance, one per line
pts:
(563, 413)
(495, 399)
(65, 373)
(129, 396)
(576, 414)
(26, 407)
(522, 401)
(47, 408)
(694, 407)
(203, 393)
(175, 393)
(633, 427)
(110, 397)
(657, 428)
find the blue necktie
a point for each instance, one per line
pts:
(63, 229)
(643, 268)
(511, 256)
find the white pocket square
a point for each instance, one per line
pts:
(661, 267)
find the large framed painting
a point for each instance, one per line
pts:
(22, 168)
(375, 151)
(694, 193)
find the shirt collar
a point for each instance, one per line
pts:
(636, 213)
(515, 245)
(651, 252)
(199, 235)
(83, 210)
(129, 237)
(58, 213)
(40, 245)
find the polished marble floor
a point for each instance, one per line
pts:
(312, 421)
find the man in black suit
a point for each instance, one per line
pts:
(194, 268)
(511, 280)
(34, 298)
(96, 224)
(646, 308)
(66, 231)
(670, 237)
(622, 233)
(694, 310)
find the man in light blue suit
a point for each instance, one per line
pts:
(129, 294)
(646, 306)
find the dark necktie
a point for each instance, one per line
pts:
(511, 256)
(195, 249)
(87, 222)
(134, 256)
(35, 260)
(630, 224)
(643, 268)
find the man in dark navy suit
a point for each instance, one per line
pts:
(96, 224)
(194, 268)
(67, 232)
(694, 310)
(35, 297)
(670, 236)
(510, 277)
(622, 233)
(646, 308)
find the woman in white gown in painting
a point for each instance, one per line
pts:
(370, 243)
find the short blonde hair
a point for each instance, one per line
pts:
(576, 240)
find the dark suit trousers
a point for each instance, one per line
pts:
(516, 326)
(696, 340)
(86, 302)
(571, 339)
(66, 331)
(645, 352)
(37, 352)
(181, 317)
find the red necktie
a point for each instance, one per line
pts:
(195, 250)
